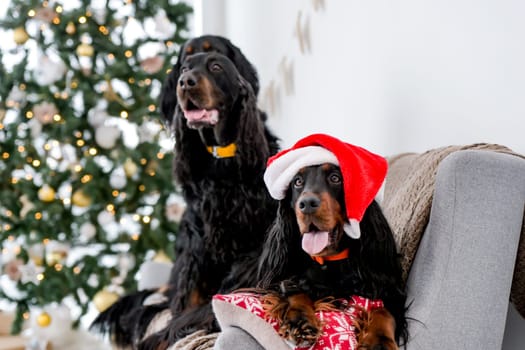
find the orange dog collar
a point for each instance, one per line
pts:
(222, 151)
(339, 256)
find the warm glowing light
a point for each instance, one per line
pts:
(25, 315)
(82, 20)
(146, 219)
(57, 117)
(135, 237)
(124, 114)
(5, 155)
(81, 143)
(47, 146)
(77, 168)
(38, 215)
(143, 161)
(142, 188)
(151, 108)
(115, 193)
(128, 53)
(76, 270)
(31, 13)
(160, 155)
(40, 276)
(45, 241)
(131, 80)
(21, 149)
(93, 151)
(58, 267)
(136, 217)
(36, 163)
(86, 178)
(29, 114)
(111, 56)
(56, 20)
(110, 207)
(59, 9)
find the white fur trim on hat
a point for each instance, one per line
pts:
(281, 171)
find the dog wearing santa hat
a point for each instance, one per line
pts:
(331, 244)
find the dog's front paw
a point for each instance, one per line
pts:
(300, 327)
(375, 331)
(296, 316)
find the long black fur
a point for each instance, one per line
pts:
(228, 208)
(372, 269)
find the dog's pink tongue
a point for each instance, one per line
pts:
(315, 242)
(195, 114)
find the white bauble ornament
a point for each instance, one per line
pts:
(163, 25)
(17, 97)
(52, 323)
(87, 231)
(44, 112)
(97, 116)
(118, 178)
(106, 136)
(105, 218)
(49, 71)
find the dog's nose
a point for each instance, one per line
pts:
(187, 81)
(309, 204)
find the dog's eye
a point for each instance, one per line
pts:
(184, 69)
(215, 67)
(298, 182)
(334, 178)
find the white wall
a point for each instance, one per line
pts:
(389, 75)
(392, 76)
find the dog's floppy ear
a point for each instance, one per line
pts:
(168, 94)
(282, 256)
(251, 127)
(245, 68)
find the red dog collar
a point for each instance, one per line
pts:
(339, 256)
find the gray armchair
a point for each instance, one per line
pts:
(460, 280)
(461, 270)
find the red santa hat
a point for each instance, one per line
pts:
(363, 172)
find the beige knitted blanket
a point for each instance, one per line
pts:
(408, 197)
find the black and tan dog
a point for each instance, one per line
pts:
(221, 148)
(312, 257)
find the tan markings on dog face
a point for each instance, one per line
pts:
(189, 49)
(327, 217)
(206, 45)
(208, 97)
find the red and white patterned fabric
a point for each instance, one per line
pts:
(338, 330)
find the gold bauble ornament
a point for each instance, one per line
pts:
(44, 319)
(80, 199)
(161, 257)
(70, 28)
(56, 257)
(130, 168)
(20, 36)
(104, 299)
(46, 193)
(85, 50)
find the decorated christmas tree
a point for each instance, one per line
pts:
(86, 193)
